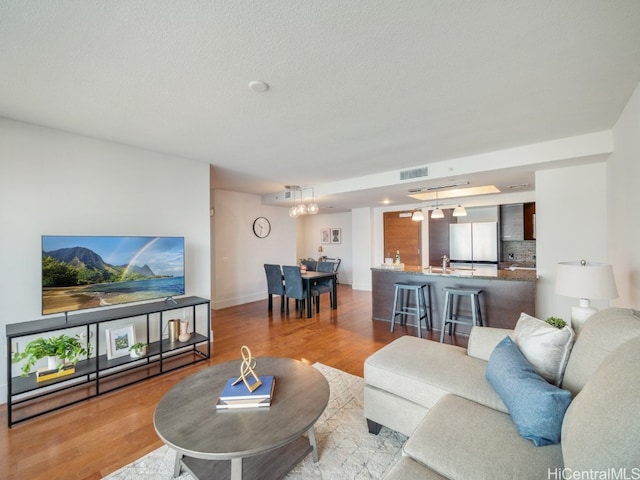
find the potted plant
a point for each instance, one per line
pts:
(59, 350)
(556, 322)
(138, 350)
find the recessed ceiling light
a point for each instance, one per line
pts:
(258, 86)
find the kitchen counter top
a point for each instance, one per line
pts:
(505, 293)
(479, 272)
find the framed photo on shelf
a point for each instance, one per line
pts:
(325, 235)
(336, 235)
(119, 340)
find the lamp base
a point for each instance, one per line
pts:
(580, 313)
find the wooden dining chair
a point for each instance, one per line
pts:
(275, 285)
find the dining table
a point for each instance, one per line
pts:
(308, 279)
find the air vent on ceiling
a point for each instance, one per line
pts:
(414, 173)
(287, 194)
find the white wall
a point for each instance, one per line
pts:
(57, 183)
(624, 204)
(571, 223)
(309, 239)
(239, 256)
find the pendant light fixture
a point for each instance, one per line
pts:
(459, 211)
(437, 213)
(417, 216)
(313, 208)
(300, 208)
(293, 211)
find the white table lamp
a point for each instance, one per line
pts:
(586, 281)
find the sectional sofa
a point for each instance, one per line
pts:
(461, 427)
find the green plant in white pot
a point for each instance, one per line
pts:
(138, 350)
(63, 349)
(556, 322)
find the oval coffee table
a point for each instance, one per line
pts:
(261, 442)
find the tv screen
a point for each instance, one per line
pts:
(80, 272)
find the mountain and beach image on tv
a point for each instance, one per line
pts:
(80, 272)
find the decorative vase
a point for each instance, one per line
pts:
(184, 332)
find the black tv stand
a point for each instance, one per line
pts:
(27, 398)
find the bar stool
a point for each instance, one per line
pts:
(450, 317)
(421, 309)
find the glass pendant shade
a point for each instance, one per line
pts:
(313, 208)
(302, 209)
(417, 216)
(293, 212)
(437, 213)
(459, 211)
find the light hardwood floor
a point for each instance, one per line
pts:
(96, 437)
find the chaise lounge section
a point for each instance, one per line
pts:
(460, 427)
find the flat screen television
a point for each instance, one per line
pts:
(80, 272)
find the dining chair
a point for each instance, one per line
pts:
(326, 285)
(310, 263)
(275, 286)
(335, 263)
(293, 286)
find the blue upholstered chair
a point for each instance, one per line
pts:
(275, 286)
(293, 286)
(326, 286)
(310, 264)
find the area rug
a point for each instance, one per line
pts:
(347, 450)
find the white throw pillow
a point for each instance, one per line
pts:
(546, 347)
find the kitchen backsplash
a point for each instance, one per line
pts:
(523, 252)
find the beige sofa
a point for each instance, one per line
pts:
(459, 428)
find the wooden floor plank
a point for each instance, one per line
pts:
(96, 437)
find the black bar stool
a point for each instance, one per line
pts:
(421, 309)
(450, 316)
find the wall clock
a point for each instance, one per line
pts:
(261, 227)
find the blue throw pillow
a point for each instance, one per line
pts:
(536, 407)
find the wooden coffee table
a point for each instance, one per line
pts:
(263, 442)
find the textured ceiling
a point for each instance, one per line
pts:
(356, 88)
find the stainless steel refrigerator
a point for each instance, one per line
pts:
(473, 242)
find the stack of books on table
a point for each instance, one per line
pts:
(43, 374)
(239, 396)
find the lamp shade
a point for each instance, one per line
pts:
(459, 211)
(437, 213)
(417, 216)
(586, 280)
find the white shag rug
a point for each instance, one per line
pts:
(347, 451)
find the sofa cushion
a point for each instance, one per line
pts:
(461, 439)
(536, 406)
(544, 346)
(422, 371)
(602, 333)
(601, 429)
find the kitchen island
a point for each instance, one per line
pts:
(505, 293)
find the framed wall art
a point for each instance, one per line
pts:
(325, 235)
(336, 235)
(119, 341)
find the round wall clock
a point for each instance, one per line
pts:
(261, 227)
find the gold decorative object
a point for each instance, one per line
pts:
(246, 367)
